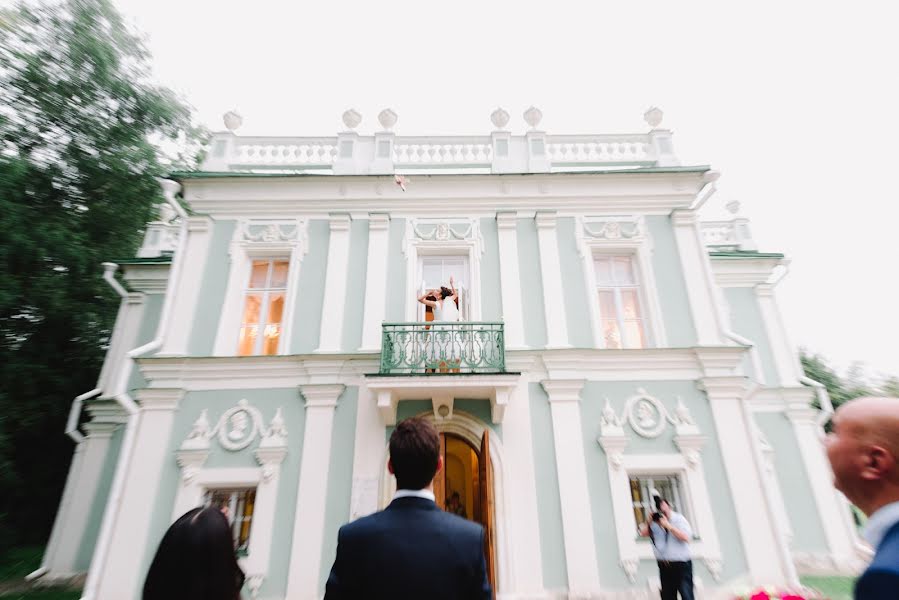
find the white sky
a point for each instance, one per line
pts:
(794, 102)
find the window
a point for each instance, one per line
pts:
(620, 311)
(644, 487)
(436, 271)
(237, 505)
(261, 324)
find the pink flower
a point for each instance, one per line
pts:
(789, 596)
(760, 595)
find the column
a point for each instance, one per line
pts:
(63, 534)
(692, 253)
(757, 528)
(121, 576)
(551, 270)
(375, 305)
(510, 279)
(781, 350)
(187, 288)
(831, 508)
(522, 487)
(312, 491)
(91, 453)
(369, 455)
(124, 338)
(577, 516)
(335, 284)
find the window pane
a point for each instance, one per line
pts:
(259, 274)
(247, 341)
(611, 334)
(624, 271)
(603, 271)
(272, 335)
(251, 308)
(275, 308)
(630, 304)
(633, 330)
(607, 305)
(279, 274)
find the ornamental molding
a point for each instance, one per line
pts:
(648, 417)
(260, 235)
(441, 232)
(610, 232)
(235, 430)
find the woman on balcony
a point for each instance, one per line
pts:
(443, 346)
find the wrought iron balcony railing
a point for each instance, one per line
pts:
(442, 348)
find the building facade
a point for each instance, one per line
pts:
(611, 346)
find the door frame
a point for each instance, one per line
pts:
(471, 429)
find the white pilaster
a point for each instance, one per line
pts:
(63, 534)
(551, 270)
(187, 288)
(91, 456)
(784, 357)
(121, 576)
(335, 284)
(375, 281)
(510, 279)
(368, 455)
(312, 490)
(831, 508)
(124, 337)
(756, 527)
(692, 253)
(523, 520)
(577, 518)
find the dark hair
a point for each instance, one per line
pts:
(195, 560)
(659, 500)
(445, 292)
(414, 451)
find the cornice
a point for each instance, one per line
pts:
(724, 388)
(743, 273)
(199, 224)
(159, 398)
(147, 278)
(322, 395)
(378, 221)
(507, 220)
(563, 390)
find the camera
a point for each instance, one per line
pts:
(656, 517)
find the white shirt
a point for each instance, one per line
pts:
(665, 545)
(426, 494)
(880, 522)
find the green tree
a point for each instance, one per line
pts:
(816, 368)
(81, 127)
(890, 387)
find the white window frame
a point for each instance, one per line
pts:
(416, 246)
(637, 286)
(465, 305)
(266, 291)
(705, 546)
(638, 246)
(680, 500)
(287, 240)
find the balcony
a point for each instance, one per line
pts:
(463, 348)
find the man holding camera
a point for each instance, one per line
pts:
(670, 534)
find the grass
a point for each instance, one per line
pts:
(15, 564)
(832, 587)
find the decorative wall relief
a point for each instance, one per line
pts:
(444, 231)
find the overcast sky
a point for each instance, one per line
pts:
(794, 102)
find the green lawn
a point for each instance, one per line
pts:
(19, 562)
(834, 588)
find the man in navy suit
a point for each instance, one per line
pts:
(863, 449)
(411, 549)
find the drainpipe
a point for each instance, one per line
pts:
(170, 188)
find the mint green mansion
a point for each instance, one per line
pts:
(611, 346)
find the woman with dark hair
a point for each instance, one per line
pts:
(195, 560)
(444, 343)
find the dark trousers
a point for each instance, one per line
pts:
(676, 576)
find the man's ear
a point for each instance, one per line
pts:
(439, 464)
(390, 466)
(879, 462)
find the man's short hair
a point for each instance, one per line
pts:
(414, 451)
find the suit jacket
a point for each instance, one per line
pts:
(880, 581)
(411, 549)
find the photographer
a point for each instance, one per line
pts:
(670, 534)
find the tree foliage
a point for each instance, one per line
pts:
(81, 129)
(855, 384)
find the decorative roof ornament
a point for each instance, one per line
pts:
(532, 117)
(733, 207)
(499, 118)
(351, 118)
(232, 120)
(653, 116)
(387, 118)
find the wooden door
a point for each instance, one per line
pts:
(485, 474)
(440, 478)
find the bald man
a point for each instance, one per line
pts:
(863, 449)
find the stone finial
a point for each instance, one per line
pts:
(532, 117)
(351, 119)
(653, 116)
(387, 118)
(733, 207)
(169, 188)
(232, 120)
(166, 212)
(499, 118)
